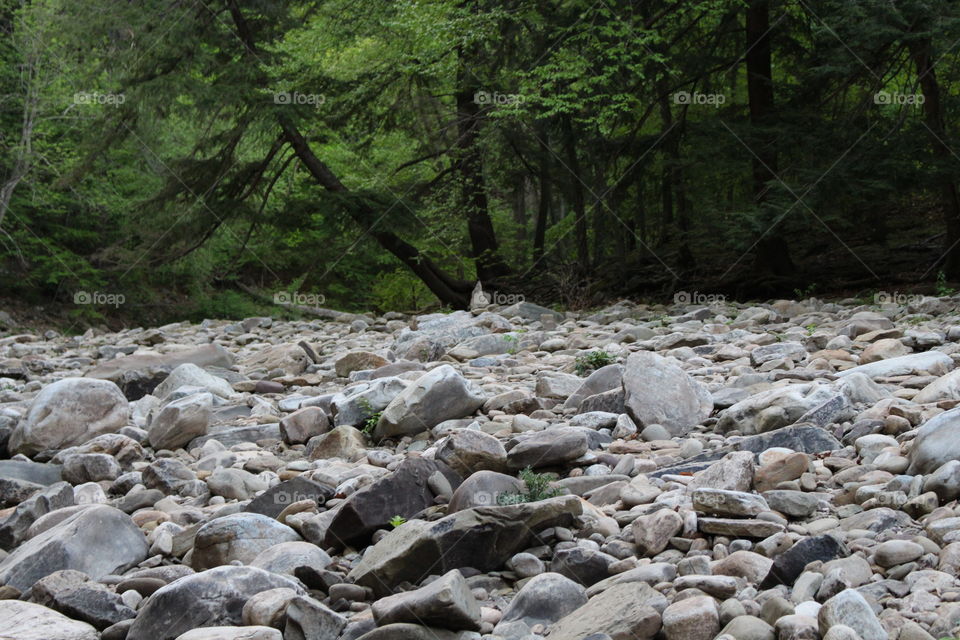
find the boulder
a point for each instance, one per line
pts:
(937, 442)
(96, 539)
(658, 391)
(446, 602)
(849, 608)
(180, 421)
(547, 448)
(623, 612)
(281, 495)
(543, 600)
(206, 599)
(239, 536)
(190, 375)
(139, 374)
(29, 621)
(70, 412)
(343, 442)
(934, 362)
(483, 489)
(483, 538)
(404, 493)
(469, 450)
(441, 394)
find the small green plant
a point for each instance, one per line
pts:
(397, 520)
(810, 329)
(537, 488)
(943, 289)
(591, 361)
(806, 292)
(371, 423)
(513, 341)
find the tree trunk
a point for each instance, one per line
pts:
(922, 53)
(543, 207)
(772, 253)
(451, 291)
(483, 239)
(576, 193)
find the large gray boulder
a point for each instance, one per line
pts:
(29, 621)
(937, 443)
(447, 602)
(658, 391)
(97, 540)
(935, 362)
(70, 412)
(190, 375)
(404, 493)
(483, 538)
(544, 599)
(441, 394)
(207, 599)
(623, 611)
(238, 536)
(776, 408)
(181, 421)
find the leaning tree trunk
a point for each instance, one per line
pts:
(576, 191)
(772, 252)
(451, 291)
(922, 53)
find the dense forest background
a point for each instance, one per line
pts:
(197, 157)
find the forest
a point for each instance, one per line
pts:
(201, 158)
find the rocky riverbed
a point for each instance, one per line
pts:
(780, 471)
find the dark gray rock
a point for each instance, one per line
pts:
(788, 566)
(275, 499)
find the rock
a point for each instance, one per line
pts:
(286, 557)
(657, 391)
(308, 619)
(483, 489)
(235, 484)
(882, 350)
(795, 504)
(728, 503)
(70, 412)
(73, 594)
(137, 375)
(466, 451)
(346, 443)
(774, 408)
(583, 565)
(239, 536)
(357, 404)
(438, 395)
(553, 384)
(894, 552)
(90, 467)
(850, 608)
(206, 599)
(946, 387)
(190, 375)
(739, 528)
(403, 493)
(20, 479)
(543, 600)
(407, 631)
(482, 538)
(446, 602)
(232, 633)
(358, 361)
(29, 621)
(622, 612)
(278, 497)
(733, 473)
(180, 421)
(97, 540)
(14, 528)
(747, 628)
(743, 564)
(652, 533)
(695, 618)
(547, 448)
(303, 424)
(937, 442)
(933, 362)
(784, 469)
(654, 432)
(600, 381)
(789, 565)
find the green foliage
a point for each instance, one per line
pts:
(943, 289)
(397, 520)
(537, 487)
(371, 423)
(591, 361)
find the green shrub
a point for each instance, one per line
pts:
(537, 488)
(591, 361)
